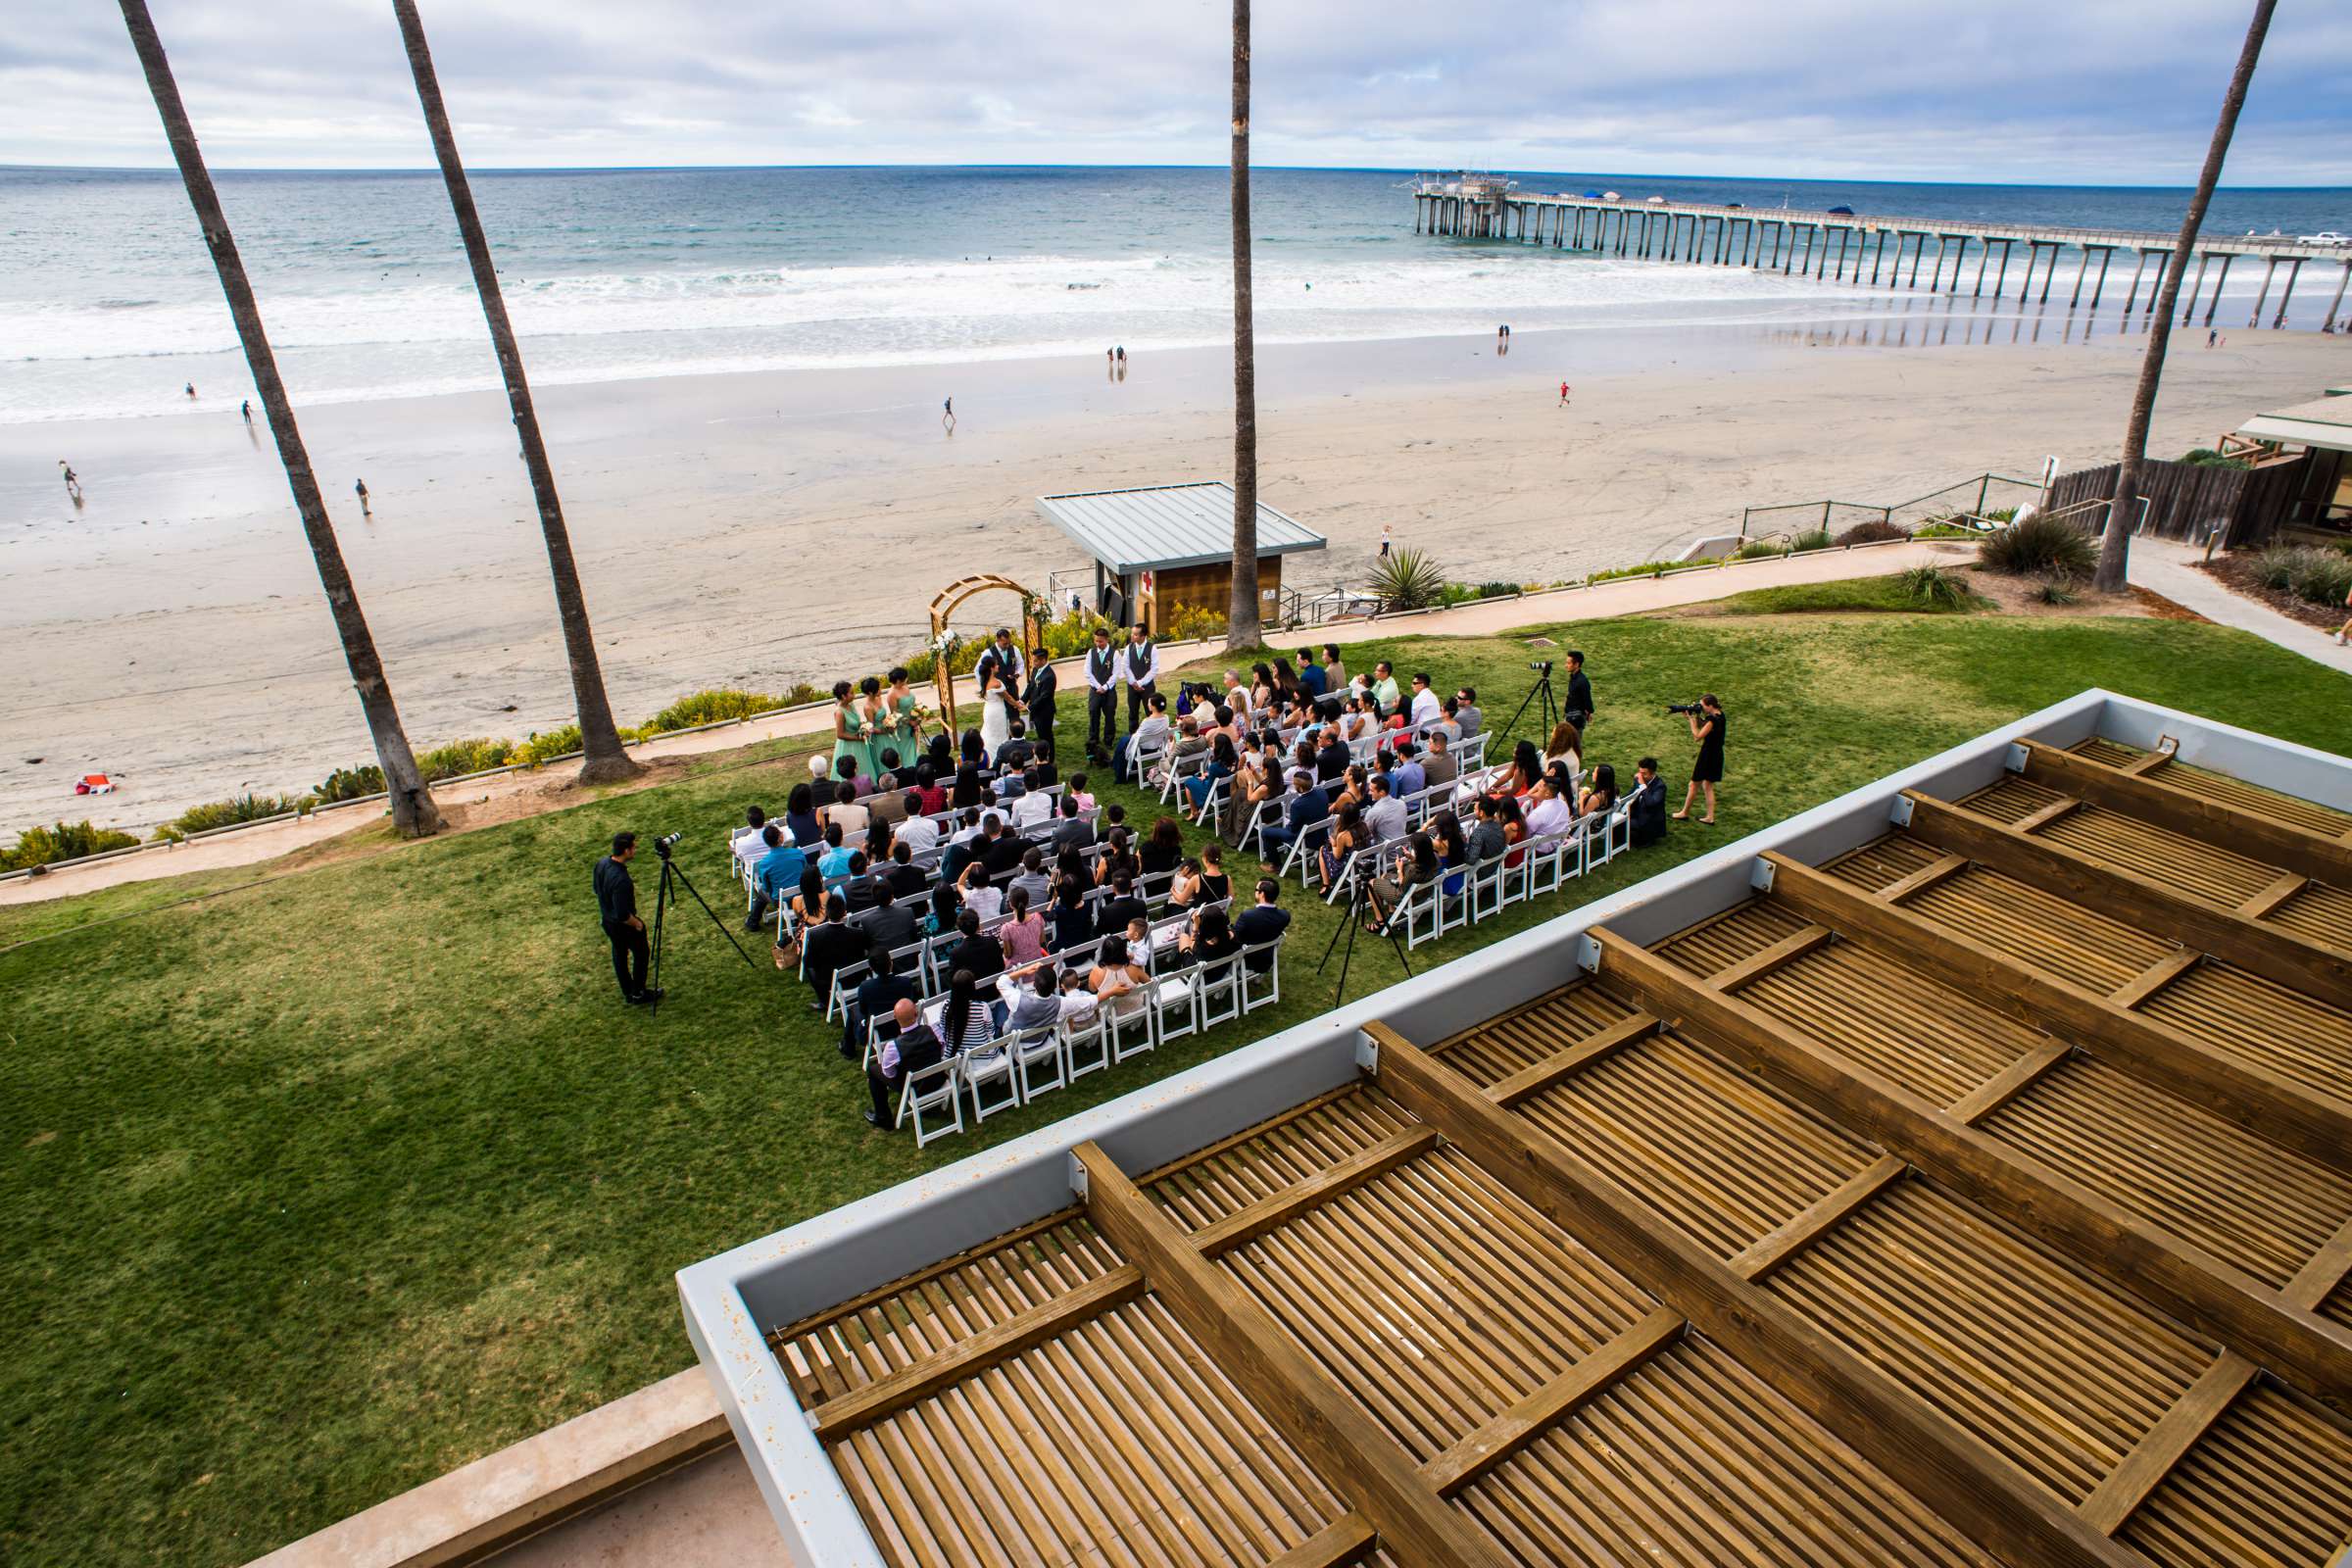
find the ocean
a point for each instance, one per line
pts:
(107, 304)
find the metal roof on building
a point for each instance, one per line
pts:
(1160, 526)
(2324, 423)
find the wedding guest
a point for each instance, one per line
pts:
(1440, 766)
(799, 817)
(1603, 795)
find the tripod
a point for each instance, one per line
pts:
(1355, 919)
(1550, 709)
(663, 898)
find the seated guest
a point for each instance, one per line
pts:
(800, 818)
(910, 1048)
(804, 914)
(1311, 674)
(1035, 806)
(890, 805)
(1215, 886)
(947, 903)
(1415, 864)
(1333, 756)
(1074, 921)
(966, 1023)
(1427, 709)
(1408, 778)
(1126, 963)
(878, 997)
(1301, 819)
(963, 847)
(1001, 855)
(1122, 907)
(835, 862)
(1209, 937)
(1263, 922)
(890, 924)
(1385, 816)
(905, 878)
(1439, 766)
(1112, 818)
(980, 895)
(1164, 849)
(1548, 812)
(1467, 716)
(980, 954)
(1184, 888)
(916, 830)
(1115, 858)
(1603, 795)
(1223, 762)
(778, 872)
(1031, 878)
(1078, 792)
(1075, 832)
(930, 795)
(1446, 726)
(1648, 810)
(940, 757)
(1039, 1004)
(858, 888)
(969, 790)
(746, 843)
(846, 813)
(890, 775)
(832, 943)
(1017, 752)
(1566, 746)
(1022, 932)
(1190, 743)
(1487, 840)
(1078, 1004)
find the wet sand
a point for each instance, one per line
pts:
(762, 528)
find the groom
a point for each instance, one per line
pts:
(1003, 660)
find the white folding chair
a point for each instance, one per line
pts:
(1038, 1062)
(1422, 911)
(990, 1062)
(1261, 987)
(936, 1089)
(1490, 886)
(1218, 993)
(1085, 1048)
(1175, 1002)
(1127, 1022)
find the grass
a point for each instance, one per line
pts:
(1856, 596)
(316, 1187)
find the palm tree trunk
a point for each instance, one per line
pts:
(413, 810)
(1242, 625)
(604, 757)
(2123, 508)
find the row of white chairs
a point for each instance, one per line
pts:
(1462, 896)
(1017, 1066)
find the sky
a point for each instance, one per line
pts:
(2047, 92)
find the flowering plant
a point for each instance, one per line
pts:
(947, 642)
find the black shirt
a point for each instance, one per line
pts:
(1003, 853)
(1110, 920)
(893, 927)
(983, 956)
(905, 881)
(827, 947)
(1332, 761)
(1648, 813)
(1578, 704)
(1260, 923)
(616, 893)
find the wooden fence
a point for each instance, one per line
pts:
(2184, 500)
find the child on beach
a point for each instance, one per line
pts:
(361, 485)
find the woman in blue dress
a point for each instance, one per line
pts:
(849, 732)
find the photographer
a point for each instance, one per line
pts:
(1706, 719)
(617, 906)
(1577, 706)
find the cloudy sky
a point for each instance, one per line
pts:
(2118, 91)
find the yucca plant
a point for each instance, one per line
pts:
(2040, 545)
(1932, 588)
(1408, 579)
(1811, 539)
(2057, 591)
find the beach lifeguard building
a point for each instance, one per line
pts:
(1162, 547)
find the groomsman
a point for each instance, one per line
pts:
(1039, 699)
(1139, 673)
(1101, 697)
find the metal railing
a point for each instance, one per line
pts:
(1830, 511)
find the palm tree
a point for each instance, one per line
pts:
(1241, 629)
(414, 812)
(604, 759)
(2123, 505)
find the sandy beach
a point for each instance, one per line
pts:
(761, 528)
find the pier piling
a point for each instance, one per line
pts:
(2293, 269)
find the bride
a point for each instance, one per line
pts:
(995, 716)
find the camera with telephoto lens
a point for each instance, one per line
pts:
(1682, 708)
(665, 843)
(1541, 667)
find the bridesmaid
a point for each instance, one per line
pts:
(876, 714)
(849, 743)
(905, 734)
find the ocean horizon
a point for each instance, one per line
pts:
(107, 304)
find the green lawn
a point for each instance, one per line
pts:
(316, 1187)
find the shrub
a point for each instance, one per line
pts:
(2043, 545)
(459, 757)
(1940, 529)
(540, 749)
(1190, 623)
(710, 707)
(1408, 579)
(351, 783)
(2057, 591)
(1758, 548)
(229, 813)
(1872, 531)
(66, 840)
(2207, 458)
(1647, 568)
(1932, 588)
(1811, 539)
(2308, 571)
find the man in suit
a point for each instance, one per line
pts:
(1309, 805)
(982, 955)
(1002, 853)
(1075, 831)
(1101, 697)
(905, 878)
(878, 997)
(1115, 912)
(1038, 697)
(890, 924)
(1262, 922)
(833, 943)
(1139, 673)
(912, 1050)
(1577, 706)
(1333, 758)
(1647, 811)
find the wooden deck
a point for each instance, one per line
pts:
(1981, 1196)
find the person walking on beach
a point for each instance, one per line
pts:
(246, 409)
(1122, 352)
(946, 414)
(1563, 394)
(2212, 336)
(191, 391)
(74, 488)
(361, 486)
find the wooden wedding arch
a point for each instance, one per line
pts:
(946, 604)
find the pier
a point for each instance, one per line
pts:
(1828, 245)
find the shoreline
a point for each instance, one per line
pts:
(174, 631)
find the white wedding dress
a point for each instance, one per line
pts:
(995, 723)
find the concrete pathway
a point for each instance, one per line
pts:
(2165, 567)
(1624, 597)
